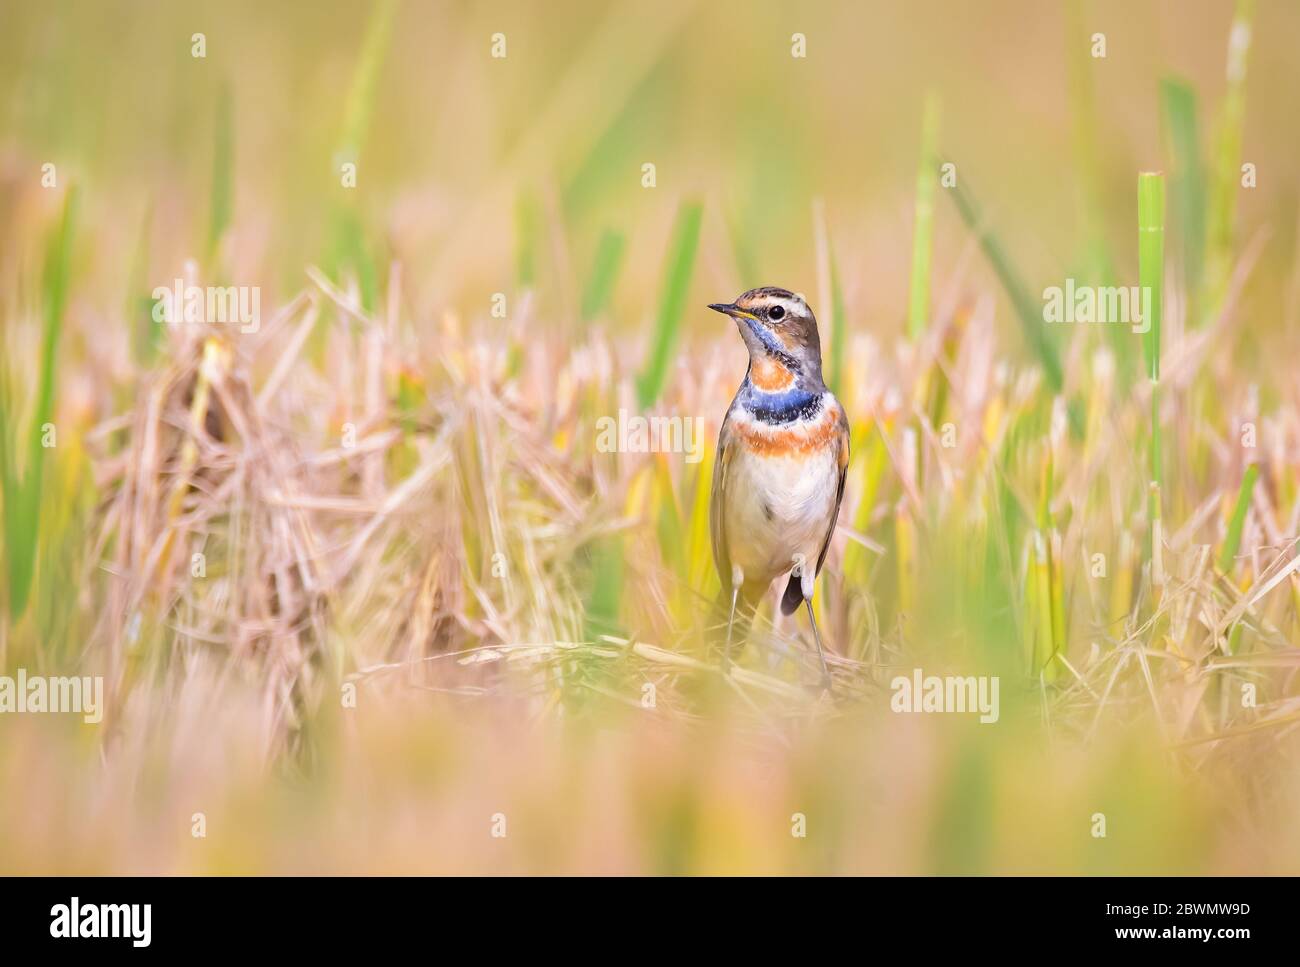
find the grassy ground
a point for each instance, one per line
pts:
(367, 595)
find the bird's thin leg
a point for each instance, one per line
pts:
(726, 655)
(821, 653)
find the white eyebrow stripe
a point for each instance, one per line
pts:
(767, 301)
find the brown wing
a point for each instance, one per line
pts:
(842, 444)
(717, 525)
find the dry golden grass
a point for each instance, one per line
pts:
(481, 687)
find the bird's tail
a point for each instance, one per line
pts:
(793, 596)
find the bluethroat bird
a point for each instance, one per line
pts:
(782, 454)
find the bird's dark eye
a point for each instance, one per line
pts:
(776, 313)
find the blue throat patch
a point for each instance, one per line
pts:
(784, 407)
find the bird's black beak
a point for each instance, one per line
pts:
(733, 310)
(742, 317)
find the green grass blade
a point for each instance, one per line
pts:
(365, 80)
(528, 221)
(1028, 311)
(1232, 542)
(672, 305)
(351, 249)
(347, 244)
(1151, 270)
(1098, 264)
(1151, 260)
(1187, 178)
(22, 505)
(918, 306)
(609, 259)
(604, 599)
(145, 333)
(1227, 174)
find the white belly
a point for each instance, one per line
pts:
(778, 509)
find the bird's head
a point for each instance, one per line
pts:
(777, 325)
